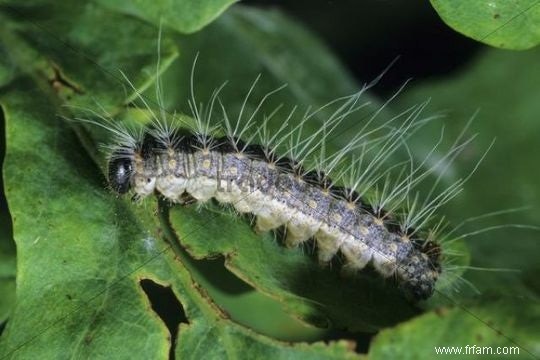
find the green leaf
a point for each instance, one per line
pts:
(500, 23)
(61, 269)
(186, 16)
(95, 248)
(82, 253)
(222, 340)
(94, 71)
(318, 295)
(503, 323)
(102, 90)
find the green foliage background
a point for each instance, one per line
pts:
(72, 256)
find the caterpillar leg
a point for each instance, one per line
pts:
(385, 263)
(299, 230)
(357, 255)
(328, 245)
(266, 223)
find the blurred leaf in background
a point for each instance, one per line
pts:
(505, 24)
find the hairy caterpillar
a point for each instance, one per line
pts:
(348, 206)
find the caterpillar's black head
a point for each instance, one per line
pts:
(120, 172)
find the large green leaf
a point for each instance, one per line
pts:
(92, 73)
(501, 326)
(500, 23)
(81, 252)
(320, 305)
(65, 299)
(78, 291)
(104, 92)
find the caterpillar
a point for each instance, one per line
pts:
(346, 204)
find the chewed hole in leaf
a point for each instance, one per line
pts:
(167, 307)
